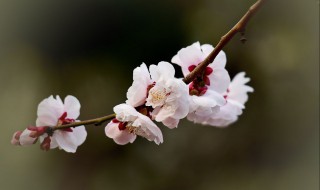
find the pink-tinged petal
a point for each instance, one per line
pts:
(125, 138)
(66, 140)
(49, 111)
(137, 93)
(219, 80)
(112, 129)
(147, 129)
(120, 137)
(80, 133)
(171, 123)
(16, 138)
(25, 138)
(72, 107)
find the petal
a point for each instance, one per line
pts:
(190, 56)
(162, 71)
(125, 112)
(148, 129)
(66, 140)
(72, 107)
(80, 133)
(171, 122)
(25, 138)
(120, 137)
(137, 93)
(206, 49)
(49, 111)
(238, 89)
(219, 80)
(220, 61)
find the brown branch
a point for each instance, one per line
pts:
(96, 121)
(239, 27)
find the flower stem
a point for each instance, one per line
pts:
(96, 121)
(238, 28)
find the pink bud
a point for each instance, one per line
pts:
(37, 131)
(45, 145)
(16, 138)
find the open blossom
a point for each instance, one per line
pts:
(129, 123)
(206, 90)
(236, 96)
(53, 112)
(164, 96)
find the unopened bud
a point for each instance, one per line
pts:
(16, 138)
(45, 145)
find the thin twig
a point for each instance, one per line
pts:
(239, 27)
(96, 121)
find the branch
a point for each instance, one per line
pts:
(239, 27)
(96, 121)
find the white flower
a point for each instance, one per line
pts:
(53, 112)
(206, 90)
(169, 95)
(163, 96)
(236, 96)
(129, 123)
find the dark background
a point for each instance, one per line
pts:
(89, 48)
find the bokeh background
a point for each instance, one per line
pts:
(89, 48)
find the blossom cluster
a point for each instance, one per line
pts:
(155, 95)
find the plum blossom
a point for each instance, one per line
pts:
(53, 112)
(164, 96)
(129, 123)
(236, 96)
(205, 90)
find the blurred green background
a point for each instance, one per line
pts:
(89, 48)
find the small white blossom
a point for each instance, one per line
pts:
(164, 96)
(129, 123)
(169, 95)
(53, 112)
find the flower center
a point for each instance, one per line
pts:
(64, 120)
(199, 85)
(157, 96)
